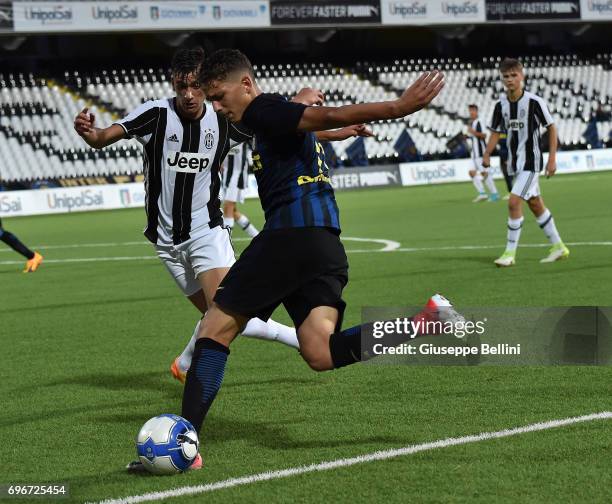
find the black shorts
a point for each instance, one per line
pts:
(302, 268)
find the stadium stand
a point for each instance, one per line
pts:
(37, 140)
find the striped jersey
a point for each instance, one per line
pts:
(521, 121)
(181, 168)
(478, 144)
(289, 165)
(236, 167)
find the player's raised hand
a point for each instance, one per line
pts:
(84, 123)
(309, 96)
(421, 92)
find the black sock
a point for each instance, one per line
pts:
(203, 380)
(12, 241)
(346, 346)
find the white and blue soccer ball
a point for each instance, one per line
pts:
(167, 444)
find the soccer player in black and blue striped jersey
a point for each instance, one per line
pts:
(298, 259)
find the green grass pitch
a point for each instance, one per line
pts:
(86, 347)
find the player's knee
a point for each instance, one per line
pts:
(316, 354)
(320, 362)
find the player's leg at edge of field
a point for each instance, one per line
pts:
(477, 181)
(322, 345)
(34, 259)
(526, 188)
(545, 220)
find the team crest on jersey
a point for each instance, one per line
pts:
(522, 113)
(209, 139)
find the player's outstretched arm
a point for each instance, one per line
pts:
(356, 130)
(414, 98)
(84, 125)
(493, 139)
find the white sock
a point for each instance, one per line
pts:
(247, 227)
(271, 330)
(490, 183)
(514, 233)
(184, 360)
(228, 222)
(547, 223)
(477, 181)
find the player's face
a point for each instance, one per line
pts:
(231, 96)
(189, 95)
(473, 113)
(512, 79)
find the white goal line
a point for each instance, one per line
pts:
(361, 459)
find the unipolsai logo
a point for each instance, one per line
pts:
(82, 199)
(154, 12)
(216, 11)
(121, 14)
(408, 9)
(600, 7)
(55, 14)
(439, 172)
(457, 9)
(10, 204)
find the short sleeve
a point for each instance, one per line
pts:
(273, 115)
(542, 113)
(497, 120)
(238, 134)
(141, 122)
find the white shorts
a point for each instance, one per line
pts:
(233, 194)
(477, 162)
(526, 184)
(186, 261)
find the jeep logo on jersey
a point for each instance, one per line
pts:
(515, 124)
(187, 162)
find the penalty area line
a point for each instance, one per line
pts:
(361, 459)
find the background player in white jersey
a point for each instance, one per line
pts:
(235, 179)
(479, 173)
(184, 143)
(521, 115)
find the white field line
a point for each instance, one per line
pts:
(388, 246)
(346, 462)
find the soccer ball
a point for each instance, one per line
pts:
(167, 444)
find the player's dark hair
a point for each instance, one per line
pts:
(187, 60)
(224, 62)
(508, 64)
(473, 105)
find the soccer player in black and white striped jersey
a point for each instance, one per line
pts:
(521, 114)
(479, 173)
(235, 180)
(184, 142)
